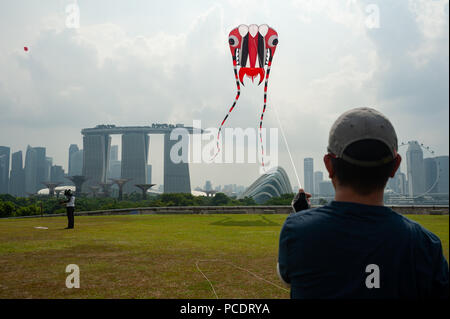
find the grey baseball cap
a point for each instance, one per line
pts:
(362, 124)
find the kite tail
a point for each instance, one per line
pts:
(264, 109)
(238, 93)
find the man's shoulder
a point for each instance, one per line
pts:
(421, 234)
(308, 217)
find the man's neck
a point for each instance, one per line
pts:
(344, 194)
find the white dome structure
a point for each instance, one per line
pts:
(45, 191)
(274, 183)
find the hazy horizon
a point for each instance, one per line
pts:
(141, 62)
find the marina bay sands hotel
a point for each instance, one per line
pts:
(135, 147)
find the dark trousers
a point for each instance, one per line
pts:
(70, 216)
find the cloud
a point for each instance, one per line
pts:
(142, 67)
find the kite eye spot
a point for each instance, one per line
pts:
(233, 41)
(273, 41)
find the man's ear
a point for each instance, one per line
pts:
(398, 160)
(328, 165)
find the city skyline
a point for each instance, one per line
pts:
(109, 70)
(432, 173)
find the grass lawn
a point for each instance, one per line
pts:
(150, 256)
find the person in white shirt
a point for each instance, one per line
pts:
(70, 207)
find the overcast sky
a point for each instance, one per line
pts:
(139, 62)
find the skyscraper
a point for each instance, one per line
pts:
(149, 174)
(73, 148)
(442, 185)
(415, 169)
(431, 175)
(176, 175)
(42, 167)
(76, 163)
(57, 174)
(35, 168)
(318, 177)
(309, 175)
(114, 156)
(48, 169)
(208, 186)
(326, 189)
(95, 159)
(17, 178)
(134, 159)
(4, 169)
(30, 170)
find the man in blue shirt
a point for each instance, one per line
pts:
(355, 247)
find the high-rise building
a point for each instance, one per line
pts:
(30, 170)
(4, 169)
(442, 185)
(208, 186)
(431, 175)
(17, 178)
(308, 169)
(95, 159)
(318, 177)
(114, 155)
(48, 169)
(35, 169)
(73, 148)
(114, 170)
(134, 160)
(398, 183)
(326, 189)
(76, 163)
(149, 174)
(57, 174)
(42, 167)
(176, 175)
(415, 169)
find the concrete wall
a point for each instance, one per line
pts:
(424, 210)
(417, 210)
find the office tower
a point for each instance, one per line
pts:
(308, 169)
(4, 169)
(48, 169)
(35, 169)
(17, 178)
(73, 148)
(415, 169)
(57, 174)
(41, 166)
(442, 185)
(176, 175)
(76, 163)
(114, 156)
(114, 170)
(30, 170)
(318, 177)
(398, 183)
(208, 186)
(134, 160)
(326, 189)
(431, 175)
(95, 159)
(149, 174)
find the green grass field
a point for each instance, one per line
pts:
(150, 256)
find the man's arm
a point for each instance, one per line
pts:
(282, 265)
(440, 285)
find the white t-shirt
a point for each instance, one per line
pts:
(71, 202)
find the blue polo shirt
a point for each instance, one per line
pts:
(330, 252)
